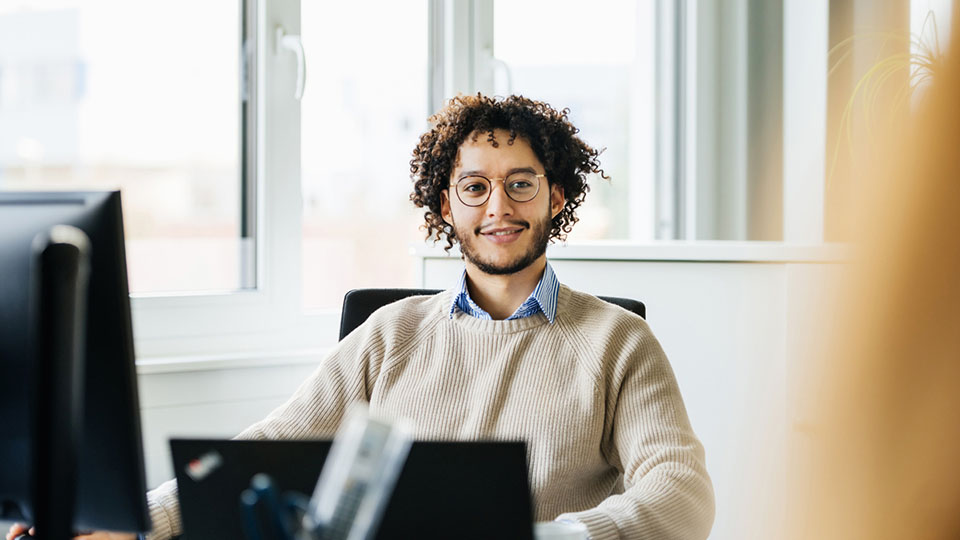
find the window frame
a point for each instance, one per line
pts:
(271, 318)
(268, 317)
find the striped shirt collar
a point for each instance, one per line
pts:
(543, 299)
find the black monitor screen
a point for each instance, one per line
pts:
(110, 475)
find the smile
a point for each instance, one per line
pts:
(502, 235)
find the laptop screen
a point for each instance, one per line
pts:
(446, 489)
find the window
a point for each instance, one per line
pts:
(363, 110)
(598, 62)
(686, 97)
(883, 57)
(136, 96)
(267, 209)
(366, 103)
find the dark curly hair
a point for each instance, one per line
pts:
(567, 159)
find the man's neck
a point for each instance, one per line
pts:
(501, 295)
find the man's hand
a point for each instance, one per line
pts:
(18, 529)
(104, 535)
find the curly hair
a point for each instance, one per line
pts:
(567, 159)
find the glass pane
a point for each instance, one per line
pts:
(137, 96)
(593, 61)
(363, 109)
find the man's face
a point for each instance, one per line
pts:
(501, 236)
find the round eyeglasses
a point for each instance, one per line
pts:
(519, 186)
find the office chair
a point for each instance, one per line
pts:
(359, 304)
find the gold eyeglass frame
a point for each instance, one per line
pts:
(490, 181)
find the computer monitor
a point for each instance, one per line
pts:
(110, 485)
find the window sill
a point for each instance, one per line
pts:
(701, 251)
(212, 362)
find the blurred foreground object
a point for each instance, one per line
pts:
(883, 460)
(351, 494)
(358, 477)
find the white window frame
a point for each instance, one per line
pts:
(693, 38)
(269, 319)
(714, 100)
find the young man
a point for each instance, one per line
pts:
(509, 352)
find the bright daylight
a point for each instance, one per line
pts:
(479, 269)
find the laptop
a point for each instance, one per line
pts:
(446, 489)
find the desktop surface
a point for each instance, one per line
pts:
(461, 490)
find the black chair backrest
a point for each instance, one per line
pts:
(359, 304)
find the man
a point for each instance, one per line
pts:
(510, 353)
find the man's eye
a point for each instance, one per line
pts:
(521, 184)
(474, 188)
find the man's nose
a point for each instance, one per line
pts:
(499, 203)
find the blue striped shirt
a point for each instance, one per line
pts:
(543, 299)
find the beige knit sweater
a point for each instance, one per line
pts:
(593, 395)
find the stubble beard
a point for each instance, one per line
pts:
(538, 246)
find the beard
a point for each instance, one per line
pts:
(538, 246)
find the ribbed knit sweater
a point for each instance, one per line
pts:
(592, 394)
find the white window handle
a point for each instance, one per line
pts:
(495, 63)
(293, 43)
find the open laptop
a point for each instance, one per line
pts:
(446, 489)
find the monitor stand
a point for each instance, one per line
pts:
(61, 277)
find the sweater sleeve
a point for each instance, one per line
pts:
(648, 437)
(315, 410)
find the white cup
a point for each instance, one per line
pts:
(556, 530)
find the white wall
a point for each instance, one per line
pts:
(210, 399)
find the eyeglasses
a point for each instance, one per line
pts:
(519, 186)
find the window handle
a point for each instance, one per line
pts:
(505, 67)
(293, 43)
(494, 64)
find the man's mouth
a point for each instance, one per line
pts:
(502, 234)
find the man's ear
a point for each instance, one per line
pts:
(445, 207)
(556, 200)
